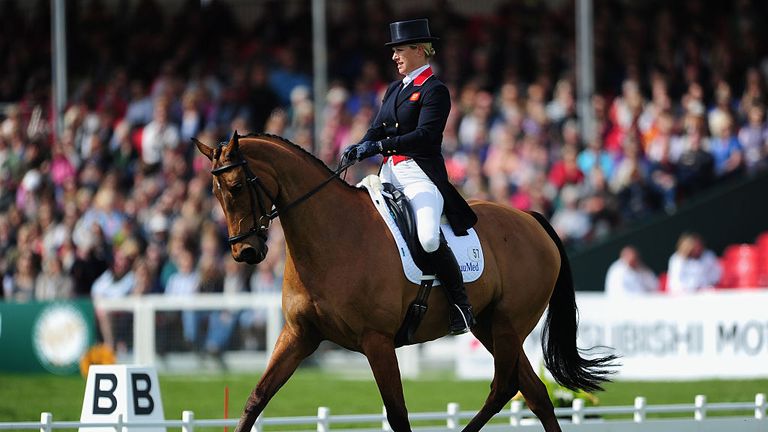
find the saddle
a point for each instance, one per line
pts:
(402, 212)
(400, 208)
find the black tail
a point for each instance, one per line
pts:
(558, 341)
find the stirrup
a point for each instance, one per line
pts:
(466, 325)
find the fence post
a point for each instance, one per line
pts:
(578, 411)
(760, 406)
(452, 421)
(639, 415)
(46, 419)
(516, 413)
(187, 421)
(323, 423)
(384, 422)
(700, 413)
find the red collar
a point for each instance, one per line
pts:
(423, 76)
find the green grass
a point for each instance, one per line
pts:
(24, 397)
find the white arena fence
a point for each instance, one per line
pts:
(144, 312)
(689, 418)
(720, 334)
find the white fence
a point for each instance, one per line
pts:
(691, 417)
(719, 334)
(145, 308)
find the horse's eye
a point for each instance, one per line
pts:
(236, 188)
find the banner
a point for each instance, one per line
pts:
(719, 334)
(45, 336)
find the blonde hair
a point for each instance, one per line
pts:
(429, 50)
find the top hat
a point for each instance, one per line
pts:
(412, 31)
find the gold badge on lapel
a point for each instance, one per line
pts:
(414, 97)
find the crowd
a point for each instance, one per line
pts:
(115, 205)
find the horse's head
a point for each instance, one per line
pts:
(244, 199)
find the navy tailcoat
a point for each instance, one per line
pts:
(410, 123)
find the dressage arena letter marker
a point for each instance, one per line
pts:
(114, 390)
(101, 394)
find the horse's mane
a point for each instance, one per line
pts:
(284, 141)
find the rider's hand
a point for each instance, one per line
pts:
(350, 153)
(367, 149)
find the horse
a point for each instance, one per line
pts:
(343, 283)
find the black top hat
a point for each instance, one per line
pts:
(412, 31)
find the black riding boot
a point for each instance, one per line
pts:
(447, 270)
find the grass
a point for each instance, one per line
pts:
(24, 397)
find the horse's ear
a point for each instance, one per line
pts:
(235, 142)
(204, 149)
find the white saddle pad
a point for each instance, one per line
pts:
(467, 249)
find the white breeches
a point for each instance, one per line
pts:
(426, 200)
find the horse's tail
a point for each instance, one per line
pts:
(558, 341)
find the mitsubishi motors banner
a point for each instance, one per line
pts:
(719, 334)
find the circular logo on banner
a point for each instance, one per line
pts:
(60, 338)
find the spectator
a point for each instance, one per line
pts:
(692, 267)
(21, 284)
(628, 275)
(725, 147)
(571, 223)
(696, 167)
(117, 281)
(261, 98)
(54, 283)
(159, 135)
(184, 283)
(753, 137)
(595, 155)
(566, 171)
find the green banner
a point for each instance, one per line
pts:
(45, 336)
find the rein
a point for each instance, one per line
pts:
(255, 186)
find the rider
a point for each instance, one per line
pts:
(408, 131)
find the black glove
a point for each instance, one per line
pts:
(367, 149)
(350, 153)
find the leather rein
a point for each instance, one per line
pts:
(255, 190)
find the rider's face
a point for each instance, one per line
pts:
(408, 57)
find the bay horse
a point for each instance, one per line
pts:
(343, 280)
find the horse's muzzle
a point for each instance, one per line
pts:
(251, 255)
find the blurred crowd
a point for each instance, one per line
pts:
(120, 202)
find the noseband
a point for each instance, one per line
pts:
(255, 190)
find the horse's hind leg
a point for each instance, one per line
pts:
(506, 348)
(536, 395)
(380, 351)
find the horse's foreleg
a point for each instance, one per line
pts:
(536, 395)
(289, 351)
(380, 351)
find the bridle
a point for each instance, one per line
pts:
(256, 190)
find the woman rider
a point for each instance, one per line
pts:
(408, 131)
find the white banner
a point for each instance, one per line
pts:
(720, 334)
